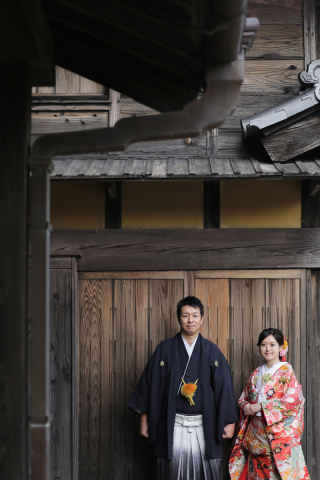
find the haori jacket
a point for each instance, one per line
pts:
(156, 395)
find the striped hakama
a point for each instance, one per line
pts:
(189, 458)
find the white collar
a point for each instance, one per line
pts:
(189, 348)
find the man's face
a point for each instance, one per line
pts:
(190, 320)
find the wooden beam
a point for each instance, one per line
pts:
(114, 108)
(310, 205)
(299, 137)
(211, 204)
(309, 30)
(15, 112)
(113, 215)
(207, 249)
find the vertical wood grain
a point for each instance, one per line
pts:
(283, 312)
(90, 378)
(313, 394)
(61, 373)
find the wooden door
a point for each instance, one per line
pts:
(240, 304)
(123, 317)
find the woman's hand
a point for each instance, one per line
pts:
(144, 425)
(251, 409)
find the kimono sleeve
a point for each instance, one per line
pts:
(277, 409)
(225, 401)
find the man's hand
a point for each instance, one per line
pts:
(144, 425)
(229, 430)
(251, 409)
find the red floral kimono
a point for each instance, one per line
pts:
(268, 447)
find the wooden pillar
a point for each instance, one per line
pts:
(40, 320)
(15, 113)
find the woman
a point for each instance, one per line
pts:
(268, 445)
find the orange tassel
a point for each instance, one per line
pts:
(188, 390)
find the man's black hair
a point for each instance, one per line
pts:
(191, 302)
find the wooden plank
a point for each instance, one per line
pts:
(231, 143)
(283, 299)
(292, 273)
(139, 167)
(214, 295)
(60, 262)
(304, 325)
(60, 166)
(159, 168)
(131, 108)
(213, 166)
(288, 169)
(281, 11)
(275, 42)
(198, 146)
(256, 165)
(272, 76)
(149, 170)
(95, 168)
(310, 31)
(115, 98)
(15, 94)
(170, 168)
(144, 275)
(85, 167)
(309, 167)
(75, 369)
(61, 373)
(107, 167)
(55, 122)
(247, 306)
(207, 249)
(74, 168)
(201, 167)
(268, 169)
(313, 379)
(297, 138)
(117, 168)
(181, 167)
(128, 168)
(90, 378)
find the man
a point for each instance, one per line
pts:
(186, 401)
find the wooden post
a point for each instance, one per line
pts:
(15, 114)
(40, 320)
(309, 31)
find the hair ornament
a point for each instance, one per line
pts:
(284, 351)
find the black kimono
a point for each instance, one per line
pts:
(156, 395)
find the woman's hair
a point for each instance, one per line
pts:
(277, 334)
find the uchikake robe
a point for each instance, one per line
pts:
(283, 416)
(156, 395)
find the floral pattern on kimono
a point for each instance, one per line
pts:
(282, 414)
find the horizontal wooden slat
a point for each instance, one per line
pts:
(50, 122)
(216, 249)
(272, 76)
(294, 273)
(132, 275)
(275, 42)
(280, 11)
(198, 146)
(129, 108)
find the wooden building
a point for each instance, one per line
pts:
(135, 231)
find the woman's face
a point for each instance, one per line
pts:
(270, 349)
